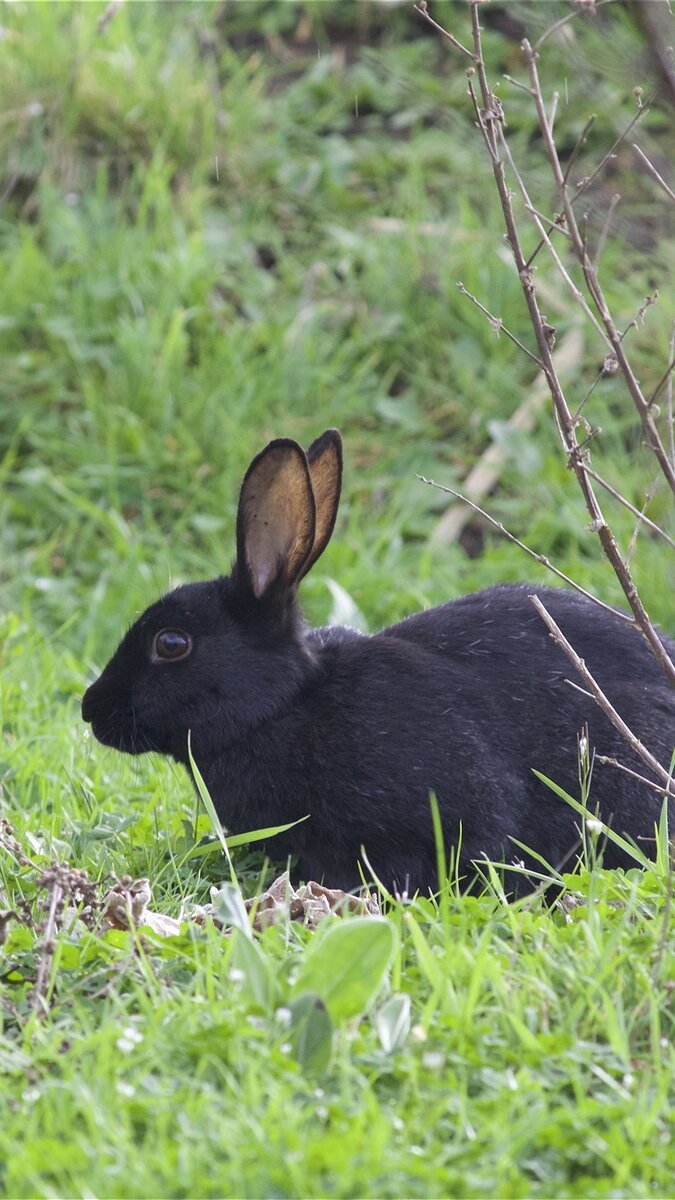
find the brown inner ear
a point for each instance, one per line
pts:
(325, 466)
(276, 519)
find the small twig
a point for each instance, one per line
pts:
(564, 20)
(614, 762)
(522, 87)
(667, 377)
(610, 365)
(421, 8)
(605, 229)
(552, 222)
(640, 316)
(590, 276)
(645, 520)
(554, 109)
(654, 173)
(641, 519)
(107, 15)
(578, 296)
(484, 475)
(497, 324)
(601, 699)
(580, 142)
(586, 182)
(540, 558)
(669, 408)
(56, 895)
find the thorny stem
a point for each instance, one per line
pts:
(490, 121)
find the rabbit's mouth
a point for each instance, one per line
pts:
(119, 729)
(129, 739)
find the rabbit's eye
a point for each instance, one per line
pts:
(171, 644)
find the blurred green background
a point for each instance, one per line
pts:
(227, 222)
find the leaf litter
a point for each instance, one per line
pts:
(65, 897)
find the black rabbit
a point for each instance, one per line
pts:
(463, 700)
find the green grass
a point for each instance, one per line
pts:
(189, 266)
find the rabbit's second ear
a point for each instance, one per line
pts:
(276, 517)
(324, 459)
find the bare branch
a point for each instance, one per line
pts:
(497, 324)
(578, 296)
(540, 558)
(669, 409)
(564, 20)
(586, 182)
(484, 475)
(654, 173)
(590, 275)
(644, 520)
(667, 377)
(649, 496)
(489, 117)
(601, 699)
(421, 8)
(614, 762)
(580, 142)
(605, 229)
(522, 87)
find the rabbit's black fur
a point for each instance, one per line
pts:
(463, 700)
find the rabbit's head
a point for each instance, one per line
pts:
(219, 657)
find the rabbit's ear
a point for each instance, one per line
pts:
(276, 517)
(325, 467)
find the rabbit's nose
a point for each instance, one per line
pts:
(89, 704)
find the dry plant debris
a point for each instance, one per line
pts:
(125, 906)
(70, 895)
(309, 904)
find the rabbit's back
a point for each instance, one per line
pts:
(500, 622)
(465, 701)
(519, 676)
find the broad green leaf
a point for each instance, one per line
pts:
(311, 1032)
(251, 972)
(392, 1021)
(229, 908)
(346, 964)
